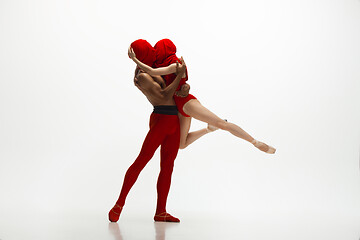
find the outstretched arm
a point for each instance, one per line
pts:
(152, 71)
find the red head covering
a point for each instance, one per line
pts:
(165, 51)
(144, 51)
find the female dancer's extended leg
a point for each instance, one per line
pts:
(196, 110)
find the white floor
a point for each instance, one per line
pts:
(81, 226)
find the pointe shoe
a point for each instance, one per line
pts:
(114, 213)
(165, 217)
(263, 147)
(211, 128)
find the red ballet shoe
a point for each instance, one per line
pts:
(114, 213)
(165, 217)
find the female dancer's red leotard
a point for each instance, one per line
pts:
(165, 51)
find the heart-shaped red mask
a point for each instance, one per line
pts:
(165, 51)
(144, 52)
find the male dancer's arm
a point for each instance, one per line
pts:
(183, 92)
(160, 81)
(157, 79)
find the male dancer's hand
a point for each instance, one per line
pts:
(184, 91)
(137, 70)
(136, 82)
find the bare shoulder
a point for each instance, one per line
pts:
(146, 82)
(144, 79)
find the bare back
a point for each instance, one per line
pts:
(153, 91)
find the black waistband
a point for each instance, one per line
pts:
(167, 110)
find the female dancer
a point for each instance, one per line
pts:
(189, 106)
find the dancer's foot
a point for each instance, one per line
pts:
(114, 213)
(165, 217)
(263, 147)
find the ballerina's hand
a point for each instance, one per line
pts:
(131, 53)
(180, 69)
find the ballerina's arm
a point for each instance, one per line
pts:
(152, 71)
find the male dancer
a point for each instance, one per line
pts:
(164, 131)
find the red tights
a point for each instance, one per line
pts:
(164, 131)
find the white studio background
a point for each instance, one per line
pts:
(71, 121)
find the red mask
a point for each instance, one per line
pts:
(144, 52)
(165, 51)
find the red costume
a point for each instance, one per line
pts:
(164, 131)
(165, 51)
